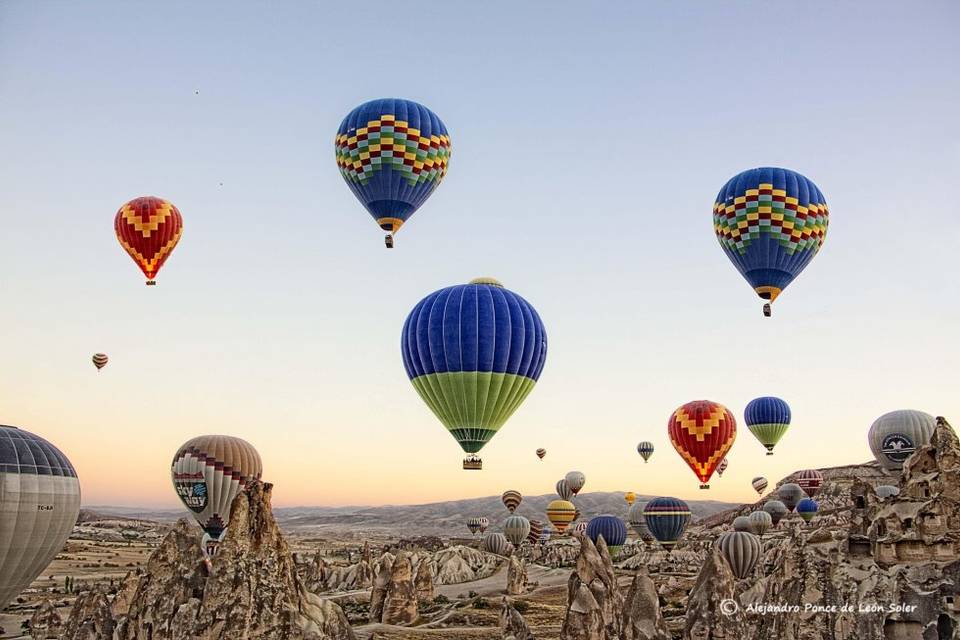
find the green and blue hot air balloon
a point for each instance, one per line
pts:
(393, 153)
(768, 418)
(771, 222)
(807, 508)
(473, 352)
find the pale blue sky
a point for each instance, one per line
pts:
(589, 142)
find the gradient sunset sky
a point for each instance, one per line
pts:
(589, 142)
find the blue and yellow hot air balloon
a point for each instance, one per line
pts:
(473, 352)
(393, 153)
(770, 223)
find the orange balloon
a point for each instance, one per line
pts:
(702, 432)
(148, 228)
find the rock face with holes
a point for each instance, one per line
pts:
(594, 600)
(642, 619)
(516, 576)
(249, 590)
(424, 581)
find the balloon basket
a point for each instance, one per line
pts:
(769, 453)
(704, 486)
(767, 311)
(151, 283)
(472, 463)
(388, 240)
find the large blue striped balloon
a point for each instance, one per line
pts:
(473, 352)
(768, 418)
(613, 530)
(667, 519)
(393, 153)
(770, 223)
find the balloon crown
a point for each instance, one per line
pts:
(493, 282)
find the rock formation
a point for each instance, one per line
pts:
(424, 581)
(642, 619)
(45, 622)
(512, 624)
(516, 576)
(250, 589)
(594, 601)
(400, 599)
(710, 616)
(378, 592)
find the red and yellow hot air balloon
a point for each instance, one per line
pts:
(148, 228)
(702, 432)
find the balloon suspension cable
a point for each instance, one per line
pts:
(151, 283)
(767, 311)
(388, 240)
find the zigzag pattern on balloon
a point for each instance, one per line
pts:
(391, 143)
(766, 210)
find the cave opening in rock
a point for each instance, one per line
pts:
(944, 627)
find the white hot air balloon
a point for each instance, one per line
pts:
(208, 472)
(895, 435)
(39, 504)
(575, 480)
(516, 528)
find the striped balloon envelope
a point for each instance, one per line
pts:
(541, 452)
(100, 360)
(741, 523)
(575, 480)
(722, 467)
(770, 222)
(768, 418)
(511, 500)
(148, 228)
(702, 432)
(810, 481)
(563, 489)
(579, 529)
(498, 544)
(393, 153)
(760, 522)
(516, 528)
(208, 472)
(39, 504)
(611, 528)
(645, 449)
(536, 529)
(667, 519)
(561, 513)
(473, 352)
(473, 525)
(638, 522)
(759, 484)
(741, 550)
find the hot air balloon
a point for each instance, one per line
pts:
(768, 418)
(645, 449)
(770, 222)
(393, 153)
(810, 481)
(563, 489)
(576, 512)
(575, 480)
(759, 484)
(790, 494)
(148, 228)
(536, 530)
(100, 360)
(497, 543)
(702, 432)
(208, 472)
(722, 467)
(484, 523)
(511, 500)
(560, 513)
(612, 529)
(741, 523)
(629, 497)
(580, 529)
(473, 352)
(545, 536)
(516, 528)
(473, 524)
(885, 491)
(807, 508)
(760, 522)
(638, 522)
(39, 504)
(895, 435)
(741, 549)
(541, 452)
(667, 519)
(777, 510)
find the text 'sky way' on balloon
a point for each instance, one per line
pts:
(894, 436)
(208, 472)
(611, 528)
(645, 449)
(39, 504)
(810, 481)
(759, 484)
(393, 153)
(667, 519)
(473, 352)
(511, 499)
(100, 360)
(516, 528)
(541, 452)
(148, 228)
(702, 432)
(741, 550)
(770, 222)
(561, 513)
(768, 418)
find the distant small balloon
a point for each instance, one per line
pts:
(722, 467)
(810, 481)
(777, 510)
(511, 500)
(564, 490)
(575, 480)
(645, 449)
(790, 494)
(100, 360)
(541, 452)
(741, 549)
(759, 484)
(497, 544)
(741, 523)
(630, 497)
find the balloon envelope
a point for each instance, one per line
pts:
(536, 530)
(100, 360)
(741, 549)
(760, 522)
(148, 228)
(638, 521)
(575, 480)
(541, 452)
(702, 432)
(39, 504)
(741, 523)
(473, 352)
(208, 472)
(768, 418)
(473, 524)
(807, 508)
(511, 499)
(776, 509)
(497, 543)
(563, 489)
(770, 222)
(895, 435)
(629, 497)
(560, 513)
(393, 153)
(759, 484)
(790, 494)
(645, 449)
(516, 528)
(667, 519)
(810, 481)
(612, 528)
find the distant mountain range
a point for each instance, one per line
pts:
(438, 518)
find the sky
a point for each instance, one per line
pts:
(589, 141)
